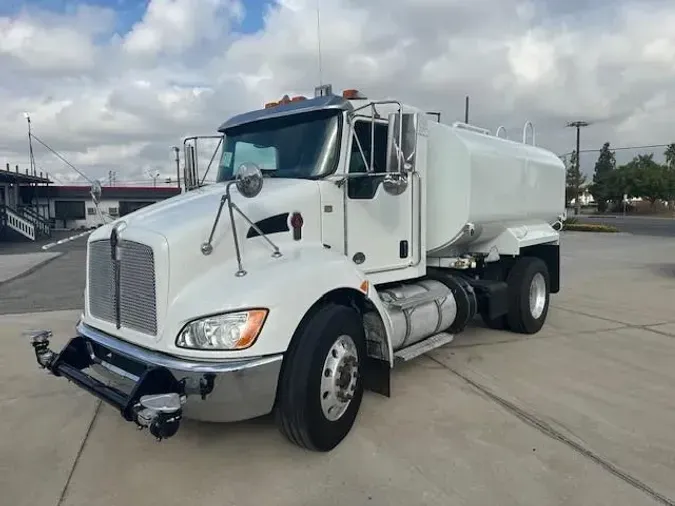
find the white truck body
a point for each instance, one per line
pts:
(233, 300)
(498, 185)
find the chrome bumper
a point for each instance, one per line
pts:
(151, 387)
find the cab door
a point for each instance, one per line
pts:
(379, 224)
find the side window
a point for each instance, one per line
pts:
(263, 157)
(366, 187)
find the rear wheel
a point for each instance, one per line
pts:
(320, 388)
(529, 295)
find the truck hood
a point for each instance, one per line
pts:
(176, 228)
(193, 213)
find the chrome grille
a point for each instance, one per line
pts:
(101, 281)
(137, 299)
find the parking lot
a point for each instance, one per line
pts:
(579, 414)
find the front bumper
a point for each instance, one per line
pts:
(156, 390)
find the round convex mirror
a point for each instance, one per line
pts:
(249, 179)
(395, 183)
(96, 191)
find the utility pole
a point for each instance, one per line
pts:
(466, 110)
(31, 157)
(578, 125)
(177, 151)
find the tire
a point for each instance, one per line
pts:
(303, 384)
(520, 316)
(499, 323)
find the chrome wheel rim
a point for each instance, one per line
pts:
(339, 377)
(537, 295)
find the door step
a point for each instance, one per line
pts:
(428, 344)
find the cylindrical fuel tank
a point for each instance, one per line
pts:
(413, 322)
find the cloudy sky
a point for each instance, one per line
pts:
(114, 84)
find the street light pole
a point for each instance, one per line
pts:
(578, 125)
(31, 157)
(176, 150)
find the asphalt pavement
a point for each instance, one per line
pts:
(57, 284)
(636, 225)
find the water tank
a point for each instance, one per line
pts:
(488, 181)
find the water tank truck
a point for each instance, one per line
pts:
(341, 237)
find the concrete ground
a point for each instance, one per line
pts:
(579, 414)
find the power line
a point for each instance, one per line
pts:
(648, 146)
(61, 158)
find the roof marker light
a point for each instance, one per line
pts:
(353, 95)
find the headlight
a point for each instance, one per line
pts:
(231, 331)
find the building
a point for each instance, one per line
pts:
(31, 207)
(72, 207)
(20, 212)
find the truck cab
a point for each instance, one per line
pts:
(342, 235)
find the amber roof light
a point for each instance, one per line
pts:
(285, 100)
(353, 95)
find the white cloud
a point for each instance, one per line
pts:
(46, 43)
(120, 101)
(173, 26)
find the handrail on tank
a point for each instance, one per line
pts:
(529, 123)
(466, 126)
(501, 127)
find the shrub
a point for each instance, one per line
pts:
(589, 227)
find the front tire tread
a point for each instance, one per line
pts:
(298, 412)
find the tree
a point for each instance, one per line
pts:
(575, 180)
(604, 167)
(646, 178)
(670, 173)
(670, 156)
(618, 183)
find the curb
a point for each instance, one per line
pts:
(67, 239)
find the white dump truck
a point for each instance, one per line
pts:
(342, 236)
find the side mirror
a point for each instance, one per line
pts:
(249, 179)
(402, 142)
(96, 191)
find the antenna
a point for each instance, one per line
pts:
(318, 37)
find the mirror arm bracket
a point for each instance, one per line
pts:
(277, 252)
(207, 247)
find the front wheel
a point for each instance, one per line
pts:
(320, 387)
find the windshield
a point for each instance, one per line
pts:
(303, 145)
